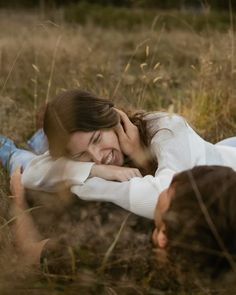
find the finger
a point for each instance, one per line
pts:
(120, 131)
(126, 176)
(138, 173)
(123, 178)
(125, 120)
(131, 174)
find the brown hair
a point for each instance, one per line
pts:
(201, 220)
(77, 110)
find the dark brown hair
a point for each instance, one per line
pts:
(77, 110)
(201, 220)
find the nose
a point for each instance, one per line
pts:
(159, 238)
(96, 154)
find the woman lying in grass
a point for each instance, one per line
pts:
(196, 222)
(103, 154)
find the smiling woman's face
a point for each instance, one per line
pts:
(100, 146)
(159, 236)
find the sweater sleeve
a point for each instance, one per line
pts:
(138, 195)
(44, 173)
(176, 145)
(171, 145)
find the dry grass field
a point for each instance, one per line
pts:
(150, 67)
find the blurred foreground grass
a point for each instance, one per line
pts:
(149, 66)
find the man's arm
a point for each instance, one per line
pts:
(27, 237)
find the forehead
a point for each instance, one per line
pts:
(79, 140)
(163, 204)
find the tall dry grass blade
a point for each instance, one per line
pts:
(11, 70)
(36, 71)
(197, 248)
(15, 217)
(111, 291)
(52, 68)
(143, 87)
(184, 22)
(232, 35)
(111, 248)
(127, 67)
(154, 22)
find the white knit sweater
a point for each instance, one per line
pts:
(176, 146)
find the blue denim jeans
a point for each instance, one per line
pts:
(37, 144)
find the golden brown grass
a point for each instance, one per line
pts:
(188, 72)
(155, 69)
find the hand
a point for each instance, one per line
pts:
(131, 145)
(117, 173)
(128, 135)
(17, 188)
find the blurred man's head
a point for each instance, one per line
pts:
(196, 219)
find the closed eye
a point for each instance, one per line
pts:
(82, 157)
(97, 137)
(77, 156)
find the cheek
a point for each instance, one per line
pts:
(159, 238)
(111, 140)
